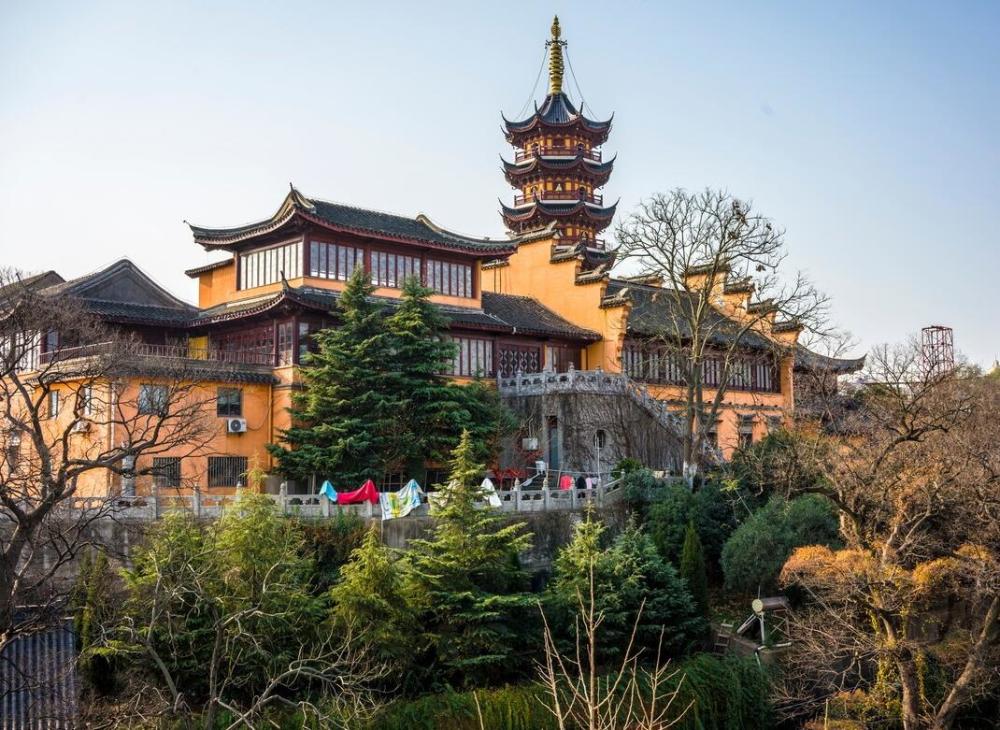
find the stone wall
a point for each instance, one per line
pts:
(593, 431)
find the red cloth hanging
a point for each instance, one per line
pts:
(565, 482)
(367, 493)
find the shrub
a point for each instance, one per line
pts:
(627, 573)
(752, 558)
(693, 569)
(329, 544)
(723, 694)
(710, 510)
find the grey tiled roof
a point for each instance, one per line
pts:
(38, 681)
(806, 359)
(364, 221)
(500, 312)
(528, 315)
(655, 313)
(557, 110)
(208, 267)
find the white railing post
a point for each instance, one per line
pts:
(154, 497)
(326, 504)
(545, 495)
(196, 501)
(283, 497)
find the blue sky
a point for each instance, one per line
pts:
(868, 130)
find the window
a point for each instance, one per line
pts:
(53, 403)
(253, 346)
(286, 336)
(746, 431)
(473, 357)
(167, 471)
(87, 400)
(229, 402)
(392, 269)
(560, 358)
(449, 278)
(260, 268)
(602, 439)
(152, 400)
(226, 471)
(334, 260)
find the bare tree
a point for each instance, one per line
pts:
(583, 694)
(74, 423)
(917, 483)
(711, 253)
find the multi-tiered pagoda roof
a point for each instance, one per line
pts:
(557, 114)
(557, 166)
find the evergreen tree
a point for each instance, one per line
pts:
(432, 409)
(344, 418)
(629, 575)
(370, 601)
(693, 569)
(467, 584)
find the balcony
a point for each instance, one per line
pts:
(560, 195)
(256, 357)
(533, 152)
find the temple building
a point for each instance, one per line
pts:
(542, 300)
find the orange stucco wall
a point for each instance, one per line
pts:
(531, 273)
(260, 402)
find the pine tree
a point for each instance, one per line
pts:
(432, 414)
(629, 575)
(693, 568)
(369, 600)
(344, 418)
(467, 584)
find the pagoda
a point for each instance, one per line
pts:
(557, 168)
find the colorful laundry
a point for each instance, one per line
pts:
(565, 482)
(328, 491)
(401, 503)
(366, 493)
(490, 493)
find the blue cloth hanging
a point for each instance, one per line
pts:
(328, 491)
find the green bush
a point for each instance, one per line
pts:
(505, 708)
(629, 575)
(709, 508)
(329, 544)
(724, 694)
(753, 557)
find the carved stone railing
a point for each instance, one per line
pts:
(597, 382)
(207, 505)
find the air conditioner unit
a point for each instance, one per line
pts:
(81, 426)
(236, 425)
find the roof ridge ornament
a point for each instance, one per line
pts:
(555, 46)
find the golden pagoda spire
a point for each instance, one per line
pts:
(555, 58)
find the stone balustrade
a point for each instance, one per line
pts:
(201, 504)
(588, 381)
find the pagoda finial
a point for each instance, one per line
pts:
(555, 58)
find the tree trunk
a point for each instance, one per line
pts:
(911, 701)
(961, 690)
